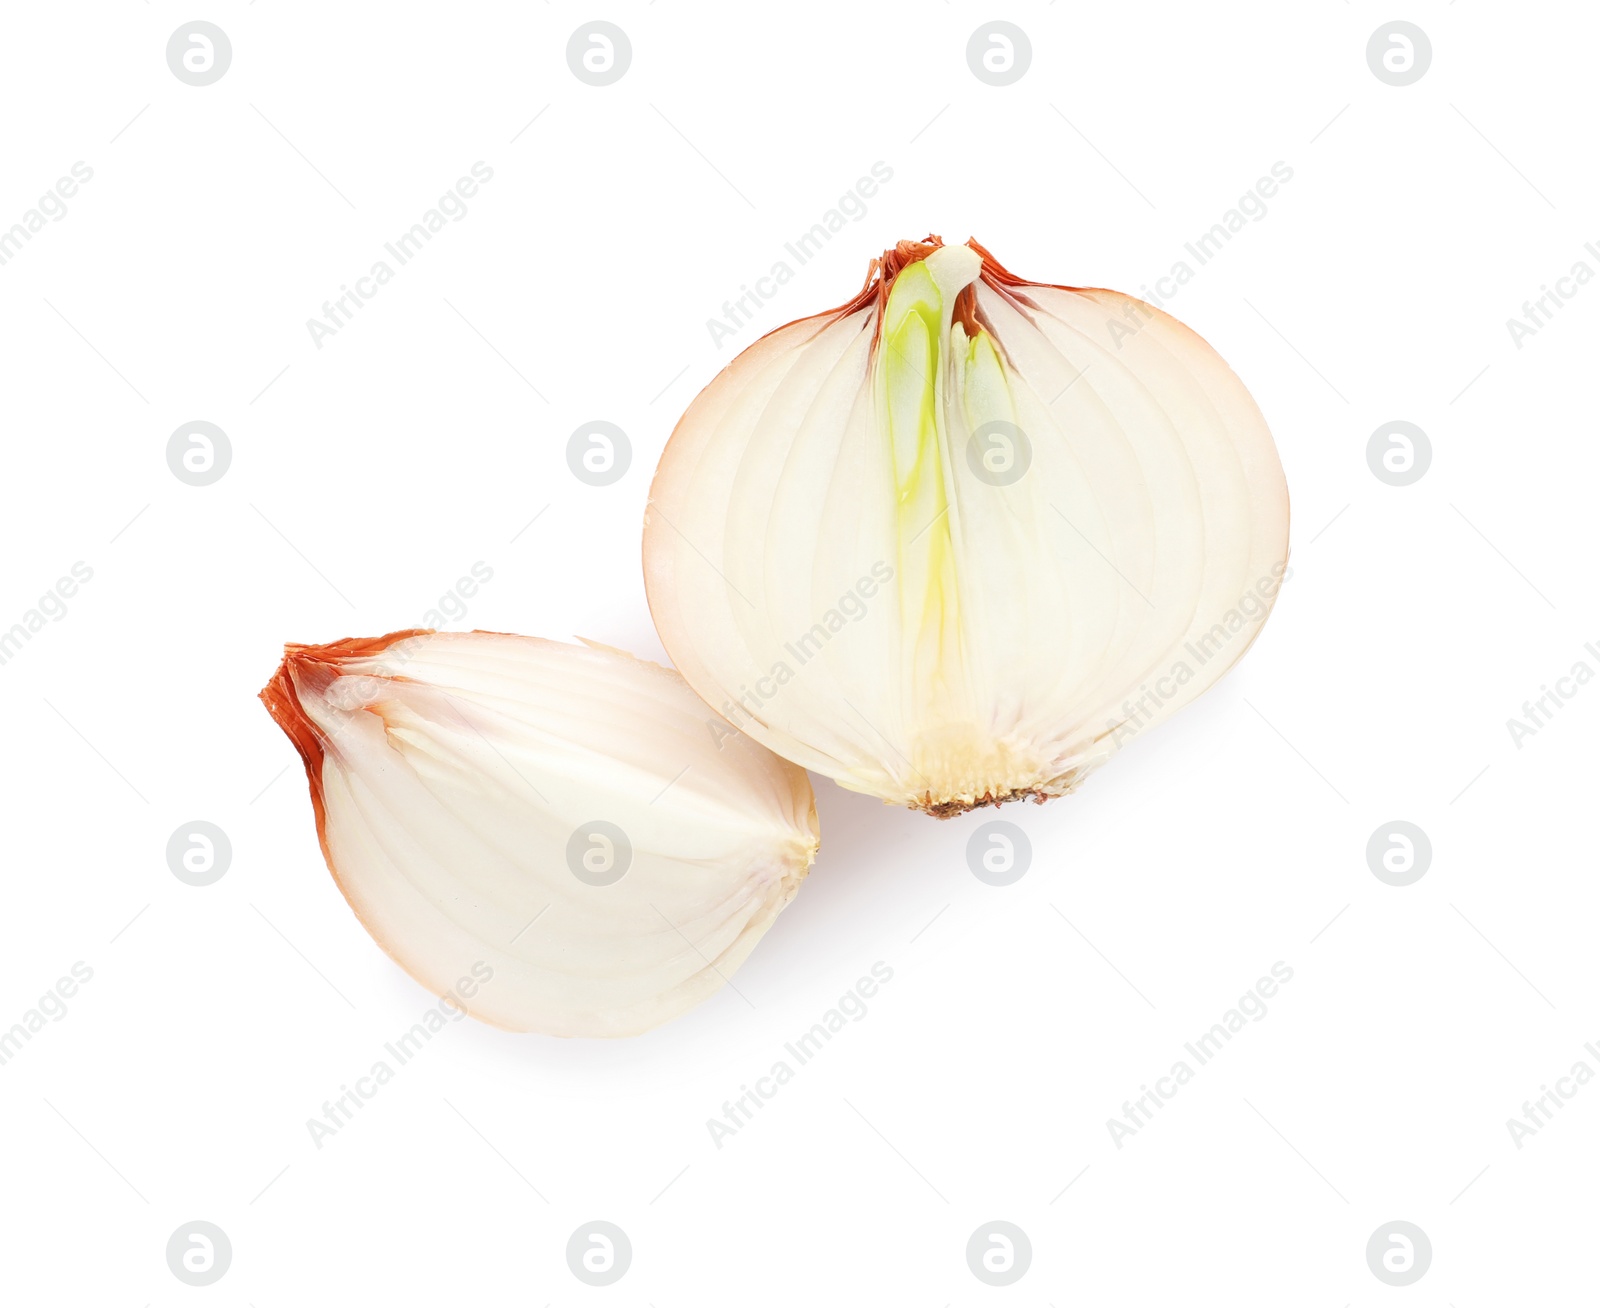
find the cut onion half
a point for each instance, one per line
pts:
(568, 819)
(956, 541)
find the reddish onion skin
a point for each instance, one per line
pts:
(315, 667)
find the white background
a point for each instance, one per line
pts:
(369, 474)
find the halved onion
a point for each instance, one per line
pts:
(953, 542)
(548, 833)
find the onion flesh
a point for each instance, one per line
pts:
(954, 542)
(557, 816)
